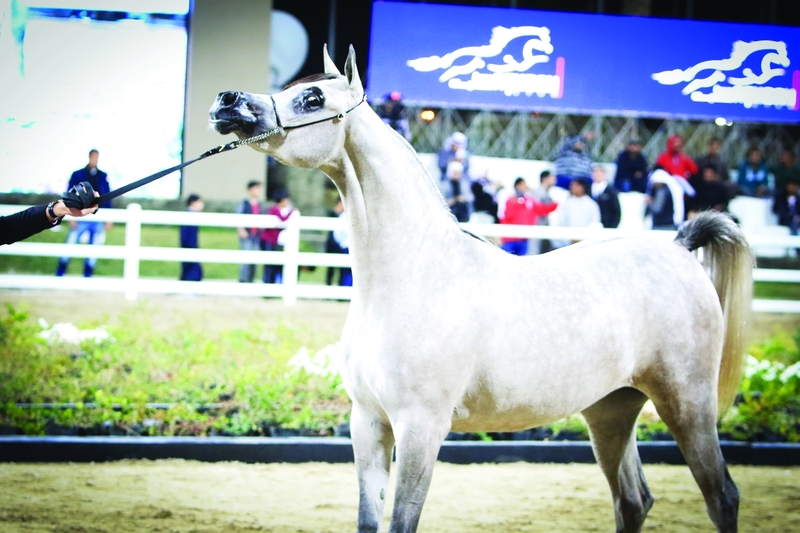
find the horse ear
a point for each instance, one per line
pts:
(330, 66)
(351, 71)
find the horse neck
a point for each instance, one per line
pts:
(394, 207)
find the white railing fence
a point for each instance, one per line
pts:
(132, 253)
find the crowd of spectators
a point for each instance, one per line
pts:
(676, 186)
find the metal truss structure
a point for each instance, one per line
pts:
(536, 136)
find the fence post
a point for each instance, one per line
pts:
(291, 251)
(133, 240)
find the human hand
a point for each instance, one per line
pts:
(109, 225)
(60, 209)
(242, 233)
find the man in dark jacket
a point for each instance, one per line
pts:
(631, 169)
(606, 197)
(95, 231)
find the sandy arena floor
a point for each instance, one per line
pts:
(186, 496)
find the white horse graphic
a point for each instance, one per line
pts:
(448, 332)
(719, 67)
(500, 38)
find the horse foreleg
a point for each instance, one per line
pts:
(612, 423)
(372, 447)
(419, 437)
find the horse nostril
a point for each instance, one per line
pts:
(228, 98)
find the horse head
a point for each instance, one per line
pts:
(316, 106)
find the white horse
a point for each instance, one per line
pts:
(447, 332)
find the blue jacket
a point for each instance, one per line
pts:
(98, 181)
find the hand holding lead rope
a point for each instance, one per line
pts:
(80, 196)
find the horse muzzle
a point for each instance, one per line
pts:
(234, 112)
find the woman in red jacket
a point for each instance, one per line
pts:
(524, 210)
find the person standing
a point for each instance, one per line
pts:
(713, 159)
(573, 161)
(338, 243)
(272, 238)
(457, 191)
(454, 149)
(94, 232)
(522, 209)
(606, 197)
(542, 195)
(752, 178)
(189, 239)
(578, 210)
(674, 161)
(785, 171)
(631, 169)
(250, 238)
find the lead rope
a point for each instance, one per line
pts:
(279, 128)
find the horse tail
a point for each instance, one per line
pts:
(729, 262)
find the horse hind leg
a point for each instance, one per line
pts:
(612, 423)
(691, 416)
(373, 442)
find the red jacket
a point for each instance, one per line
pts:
(676, 163)
(270, 235)
(524, 210)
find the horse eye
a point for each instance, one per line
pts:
(314, 98)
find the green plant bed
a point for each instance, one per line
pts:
(129, 378)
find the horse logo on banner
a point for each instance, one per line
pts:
(510, 77)
(749, 89)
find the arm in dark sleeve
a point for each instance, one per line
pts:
(22, 225)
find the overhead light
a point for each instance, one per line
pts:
(427, 115)
(719, 121)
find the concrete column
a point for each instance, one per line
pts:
(228, 50)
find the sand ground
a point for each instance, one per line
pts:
(187, 496)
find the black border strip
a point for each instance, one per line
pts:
(339, 450)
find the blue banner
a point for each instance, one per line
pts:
(494, 58)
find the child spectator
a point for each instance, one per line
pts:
(189, 239)
(786, 206)
(272, 238)
(578, 210)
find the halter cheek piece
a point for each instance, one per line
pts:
(279, 128)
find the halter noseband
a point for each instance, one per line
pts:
(280, 128)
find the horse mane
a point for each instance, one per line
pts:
(311, 79)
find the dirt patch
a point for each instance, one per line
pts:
(187, 496)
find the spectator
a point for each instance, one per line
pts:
(606, 197)
(189, 239)
(631, 169)
(674, 161)
(457, 191)
(272, 238)
(249, 238)
(484, 204)
(786, 170)
(392, 112)
(573, 161)
(661, 207)
(31, 221)
(578, 210)
(542, 195)
(785, 205)
(753, 179)
(711, 192)
(455, 148)
(93, 232)
(338, 243)
(522, 209)
(712, 159)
